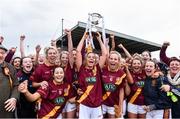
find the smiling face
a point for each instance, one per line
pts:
(64, 58)
(17, 62)
(90, 60)
(27, 64)
(150, 68)
(136, 65)
(146, 55)
(74, 52)
(174, 67)
(41, 59)
(113, 61)
(51, 55)
(58, 75)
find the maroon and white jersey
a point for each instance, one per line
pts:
(42, 73)
(52, 97)
(138, 83)
(90, 82)
(68, 73)
(112, 83)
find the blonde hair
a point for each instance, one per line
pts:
(137, 58)
(117, 53)
(64, 52)
(46, 49)
(85, 57)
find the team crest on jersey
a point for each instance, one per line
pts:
(60, 92)
(91, 80)
(59, 100)
(109, 87)
(111, 78)
(140, 83)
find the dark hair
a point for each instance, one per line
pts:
(24, 58)
(64, 79)
(74, 49)
(147, 52)
(16, 58)
(56, 68)
(174, 59)
(137, 59)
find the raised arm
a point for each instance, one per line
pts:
(70, 47)
(112, 42)
(79, 48)
(125, 51)
(163, 56)
(127, 89)
(70, 43)
(38, 49)
(103, 50)
(22, 51)
(129, 77)
(53, 43)
(10, 54)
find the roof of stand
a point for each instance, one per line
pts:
(132, 44)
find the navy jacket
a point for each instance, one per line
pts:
(153, 94)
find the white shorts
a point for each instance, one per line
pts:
(86, 112)
(108, 109)
(69, 107)
(135, 109)
(155, 114)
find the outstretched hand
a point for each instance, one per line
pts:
(22, 37)
(120, 46)
(98, 36)
(165, 88)
(166, 43)
(67, 31)
(146, 108)
(112, 36)
(157, 74)
(38, 48)
(13, 49)
(44, 84)
(53, 43)
(10, 104)
(86, 35)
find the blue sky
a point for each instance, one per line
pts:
(40, 20)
